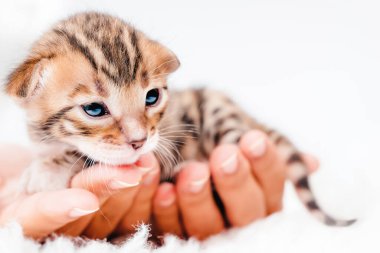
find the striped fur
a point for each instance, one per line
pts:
(218, 120)
(92, 57)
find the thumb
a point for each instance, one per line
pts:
(43, 213)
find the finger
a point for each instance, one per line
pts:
(103, 182)
(141, 209)
(115, 207)
(76, 227)
(200, 214)
(267, 165)
(240, 193)
(105, 221)
(165, 210)
(44, 212)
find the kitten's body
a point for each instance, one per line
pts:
(98, 58)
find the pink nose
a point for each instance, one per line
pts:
(136, 144)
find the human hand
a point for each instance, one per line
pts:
(123, 196)
(251, 192)
(249, 179)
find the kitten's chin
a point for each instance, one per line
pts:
(118, 161)
(111, 155)
(108, 155)
(115, 158)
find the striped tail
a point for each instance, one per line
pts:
(298, 174)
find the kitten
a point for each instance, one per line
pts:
(95, 91)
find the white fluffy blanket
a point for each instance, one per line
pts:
(292, 230)
(279, 233)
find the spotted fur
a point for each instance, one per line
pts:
(92, 57)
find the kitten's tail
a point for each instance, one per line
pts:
(298, 174)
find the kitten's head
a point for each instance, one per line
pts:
(98, 84)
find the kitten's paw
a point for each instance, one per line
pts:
(38, 177)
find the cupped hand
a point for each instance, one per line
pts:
(101, 201)
(125, 195)
(248, 178)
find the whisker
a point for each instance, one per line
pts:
(179, 126)
(167, 152)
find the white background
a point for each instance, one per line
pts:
(307, 68)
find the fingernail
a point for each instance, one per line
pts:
(150, 177)
(79, 212)
(144, 169)
(258, 147)
(118, 184)
(229, 166)
(197, 185)
(168, 202)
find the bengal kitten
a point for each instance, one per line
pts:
(95, 91)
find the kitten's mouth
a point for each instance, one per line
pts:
(112, 160)
(104, 154)
(89, 162)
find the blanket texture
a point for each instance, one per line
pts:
(288, 231)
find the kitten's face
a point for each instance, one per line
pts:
(105, 111)
(110, 123)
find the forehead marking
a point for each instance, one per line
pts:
(118, 48)
(100, 88)
(113, 77)
(115, 51)
(78, 46)
(118, 43)
(137, 54)
(79, 89)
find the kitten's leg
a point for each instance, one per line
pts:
(50, 173)
(219, 121)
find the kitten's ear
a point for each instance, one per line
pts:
(170, 62)
(26, 79)
(165, 61)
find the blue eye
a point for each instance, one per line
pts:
(95, 109)
(152, 97)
